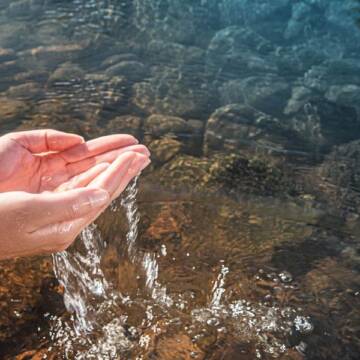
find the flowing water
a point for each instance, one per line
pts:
(241, 240)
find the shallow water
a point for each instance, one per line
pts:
(242, 239)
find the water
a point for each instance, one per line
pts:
(241, 239)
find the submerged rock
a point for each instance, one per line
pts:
(7, 55)
(237, 126)
(117, 58)
(234, 12)
(52, 55)
(25, 8)
(163, 150)
(158, 125)
(233, 51)
(324, 124)
(341, 174)
(132, 70)
(233, 174)
(65, 73)
(29, 90)
(126, 124)
(10, 110)
(344, 94)
(299, 98)
(172, 91)
(266, 93)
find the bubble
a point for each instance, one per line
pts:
(285, 277)
(303, 325)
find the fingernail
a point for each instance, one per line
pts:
(99, 198)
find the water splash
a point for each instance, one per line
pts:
(85, 286)
(218, 288)
(89, 296)
(128, 202)
(97, 326)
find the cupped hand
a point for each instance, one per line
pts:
(85, 178)
(43, 160)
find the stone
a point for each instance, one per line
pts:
(50, 33)
(235, 126)
(11, 109)
(266, 93)
(324, 124)
(7, 55)
(32, 75)
(299, 98)
(234, 12)
(341, 169)
(332, 72)
(52, 55)
(344, 94)
(132, 70)
(231, 92)
(12, 32)
(67, 72)
(302, 14)
(28, 90)
(163, 150)
(178, 346)
(126, 124)
(117, 58)
(180, 22)
(25, 8)
(231, 49)
(175, 53)
(172, 91)
(232, 174)
(158, 125)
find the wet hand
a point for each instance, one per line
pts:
(44, 221)
(43, 160)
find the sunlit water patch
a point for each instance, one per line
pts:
(98, 326)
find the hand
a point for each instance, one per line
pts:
(34, 223)
(43, 160)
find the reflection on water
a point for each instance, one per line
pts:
(241, 241)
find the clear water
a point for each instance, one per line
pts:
(242, 239)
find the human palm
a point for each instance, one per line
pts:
(53, 184)
(47, 160)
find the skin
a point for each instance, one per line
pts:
(53, 184)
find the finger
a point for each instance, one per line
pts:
(83, 179)
(110, 179)
(40, 141)
(59, 236)
(50, 208)
(83, 165)
(110, 156)
(97, 146)
(139, 164)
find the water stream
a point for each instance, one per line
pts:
(97, 326)
(248, 241)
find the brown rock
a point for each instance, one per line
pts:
(158, 125)
(11, 108)
(29, 90)
(127, 124)
(164, 150)
(66, 72)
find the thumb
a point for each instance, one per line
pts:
(50, 208)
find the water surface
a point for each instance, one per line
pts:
(242, 239)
